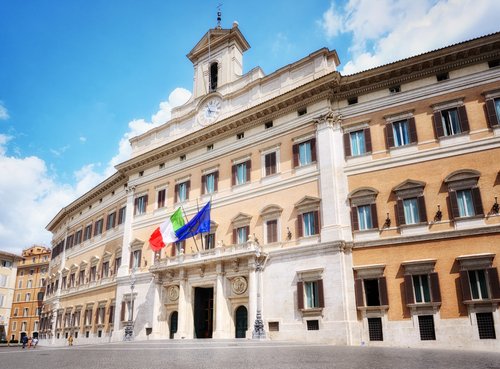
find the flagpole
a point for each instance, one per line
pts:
(195, 243)
(201, 234)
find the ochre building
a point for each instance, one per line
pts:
(351, 210)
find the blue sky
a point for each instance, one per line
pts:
(79, 78)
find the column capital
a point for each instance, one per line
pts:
(331, 118)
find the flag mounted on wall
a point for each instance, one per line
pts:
(165, 233)
(200, 223)
(174, 229)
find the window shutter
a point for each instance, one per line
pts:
(131, 263)
(422, 213)
(354, 218)
(476, 199)
(382, 289)
(316, 222)
(464, 121)
(111, 313)
(313, 149)
(464, 282)
(491, 113)
(97, 315)
(300, 295)
(413, 130)
(400, 212)
(453, 203)
(347, 145)
(300, 228)
(435, 290)
(233, 175)
(409, 289)
(122, 312)
(247, 232)
(235, 236)
(249, 169)
(358, 290)
(176, 190)
(494, 283)
(295, 152)
(203, 182)
(216, 181)
(368, 140)
(438, 124)
(389, 136)
(140, 259)
(188, 187)
(373, 208)
(321, 296)
(136, 201)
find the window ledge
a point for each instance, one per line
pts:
(454, 139)
(239, 187)
(271, 178)
(424, 305)
(359, 158)
(305, 168)
(380, 308)
(412, 229)
(404, 150)
(482, 302)
(469, 222)
(366, 235)
(312, 311)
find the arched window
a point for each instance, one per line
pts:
(214, 70)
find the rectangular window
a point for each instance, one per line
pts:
(465, 203)
(161, 198)
(486, 326)
(426, 326)
(365, 217)
(182, 191)
(140, 204)
(209, 182)
(401, 133)
(88, 232)
(241, 172)
(98, 227)
(375, 329)
(493, 111)
(118, 262)
(372, 296)
(305, 153)
(310, 227)
(274, 326)
(313, 325)
(135, 259)
(272, 231)
(72, 280)
(78, 237)
(478, 284)
(209, 241)
(27, 297)
(25, 312)
(270, 163)
(93, 273)
(357, 143)
(410, 207)
(110, 221)
(311, 295)
(121, 215)
(105, 269)
(81, 279)
(3, 280)
(421, 288)
(451, 124)
(241, 235)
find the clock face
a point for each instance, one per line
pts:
(210, 111)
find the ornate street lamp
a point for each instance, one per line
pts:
(129, 327)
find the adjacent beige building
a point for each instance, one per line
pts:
(8, 270)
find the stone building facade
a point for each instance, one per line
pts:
(303, 168)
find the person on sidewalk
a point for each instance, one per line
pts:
(24, 341)
(70, 340)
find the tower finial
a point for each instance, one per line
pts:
(219, 15)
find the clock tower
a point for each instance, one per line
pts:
(217, 59)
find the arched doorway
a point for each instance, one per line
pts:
(173, 324)
(241, 322)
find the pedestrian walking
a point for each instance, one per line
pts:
(24, 341)
(70, 340)
(34, 342)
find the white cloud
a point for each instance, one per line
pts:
(177, 97)
(331, 22)
(31, 196)
(82, 139)
(388, 30)
(4, 114)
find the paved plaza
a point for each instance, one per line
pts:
(238, 354)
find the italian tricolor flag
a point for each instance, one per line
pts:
(165, 233)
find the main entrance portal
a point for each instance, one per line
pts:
(203, 312)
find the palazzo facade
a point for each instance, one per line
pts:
(319, 230)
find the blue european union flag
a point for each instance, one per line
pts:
(200, 223)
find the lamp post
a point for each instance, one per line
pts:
(258, 327)
(129, 327)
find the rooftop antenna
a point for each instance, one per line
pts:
(219, 16)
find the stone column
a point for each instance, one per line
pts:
(183, 307)
(335, 223)
(221, 310)
(158, 316)
(127, 233)
(252, 295)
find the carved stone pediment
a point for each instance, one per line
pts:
(307, 203)
(241, 219)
